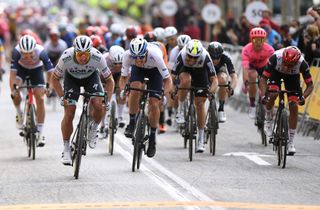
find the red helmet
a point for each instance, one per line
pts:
(291, 55)
(258, 33)
(131, 32)
(96, 40)
(150, 36)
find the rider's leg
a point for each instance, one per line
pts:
(201, 118)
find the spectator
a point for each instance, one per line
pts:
(286, 37)
(192, 29)
(313, 44)
(267, 14)
(245, 28)
(273, 37)
(219, 33)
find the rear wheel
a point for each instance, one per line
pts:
(260, 123)
(33, 131)
(213, 127)
(79, 145)
(112, 126)
(191, 129)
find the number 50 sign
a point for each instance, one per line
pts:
(254, 11)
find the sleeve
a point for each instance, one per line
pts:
(305, 71)
(245, 58)
(46, 61)
(272, 63)
(209, 66)
(230, 65)
(177, 65)
(59, 69)
(103, 67)
(14, 60)
(125, 64)
(162, 67)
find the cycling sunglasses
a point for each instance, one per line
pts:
(140, 57)
(189, 57)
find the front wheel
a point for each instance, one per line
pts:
(191, 129)
(213, 117)
(284, 139)
(112, 127)
(79, 145)
(32, 131)
(138, 139)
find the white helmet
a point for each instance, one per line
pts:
(82, 43)
(138, 47)
(159, 32)
(194, 48)
(116, 28)
(183, 40)
(170, 31)
(27, 44)
(116, 53)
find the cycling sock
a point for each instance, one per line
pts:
(19, 111)
(153, 134)
(291, 133)
(221, 106)
(268, 114)
(180, 106)
(252, 101)
(132, 119)
(161, 118)
(120, 110)
(201, 133)
(66, 144)
(40, 127)
(170, 111)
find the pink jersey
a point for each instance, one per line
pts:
(254, 59)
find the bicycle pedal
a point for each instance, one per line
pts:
(21, 133)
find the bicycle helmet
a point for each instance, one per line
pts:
(194, 48)
(27, 44)
(215, 50)
(258, 33)
(291, 55)
(82, 43)
(131, 32)
(96, 40)
(159, 32)
(116, 53)
(183, 40)
(116, 28)
(170, 31)
(150, 36)
(138, 47)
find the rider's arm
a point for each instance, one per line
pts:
(109, 87)
(56, 76)
(14, 67)
(267, 73)
(305, 71)
(211, 74)
(124, 70)
(231, 71)
(47, 64)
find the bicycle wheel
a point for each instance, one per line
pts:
(112, 126)
(213, 127)
(191, 129)
(142, 144)
(185, 111)
(32, 131)
(138, 138)
(284, 137)
(260, 123)
(79, 144)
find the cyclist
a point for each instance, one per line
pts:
(194, 67)
(28, 59)
(55, 46)
(171, 35)
(223, 66)
(80, 65)
(286, 64)
(255, 57)
(146, 60)
(114, 61)
(97, 43)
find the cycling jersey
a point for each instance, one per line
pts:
(154, 60)
(38, 58)
(173, 56)
(275, 64)
(67, 63)
(55, 51)
(254, 59)
(225, 62)
(110, 64)
(163, 50)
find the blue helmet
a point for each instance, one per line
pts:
(138, 47)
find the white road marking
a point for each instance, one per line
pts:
(255, 157)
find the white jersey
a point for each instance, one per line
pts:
(60, 47)
(67, 63)
(110, 64)
(154, 60)
(173, 56)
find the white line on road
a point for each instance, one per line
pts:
(251, 156)
(162, 183)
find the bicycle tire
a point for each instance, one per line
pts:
(32, 131)
(112, 127)
(284, 139)
(137, 138)
(80, 138)
(260, 123)
(213, 127)
(142, 142)
(191, 130)
(185, 111)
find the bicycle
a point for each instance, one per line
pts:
(142, 129)
(189, 132)
(212, 125)
(80, 136)
(280, 136)
(113, 123)
(29, 129)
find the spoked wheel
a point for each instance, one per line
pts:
(32, 130)
(191, 129)
(185, 137)
(78, 149)
(284, 138)
(213, 127)
(138, 139)
(260, 123)
(112, 127)
(28, 142)
(142, 144)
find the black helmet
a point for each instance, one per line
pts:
(150, 36)
(215, 50)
